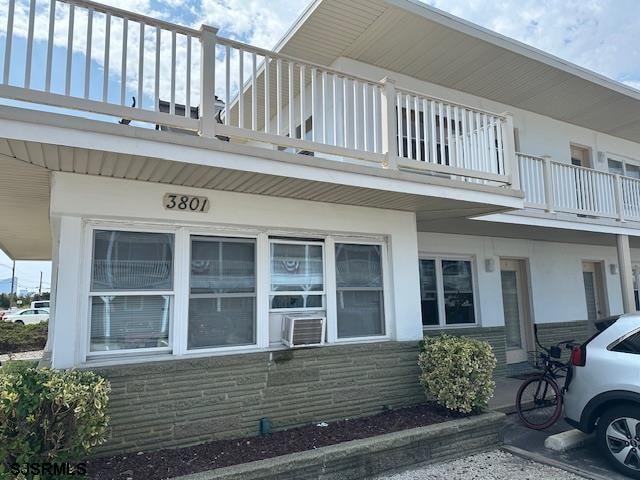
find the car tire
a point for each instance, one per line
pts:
(19, 322)
(612, 436)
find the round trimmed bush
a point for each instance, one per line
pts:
(458, 372)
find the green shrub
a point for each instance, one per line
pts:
(50, 416)
(16, 338)
(457, 372)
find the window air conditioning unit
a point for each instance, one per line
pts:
(303, 331)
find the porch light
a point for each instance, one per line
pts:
(489, 265)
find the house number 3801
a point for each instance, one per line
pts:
(187, 203)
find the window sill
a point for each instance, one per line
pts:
(118, 360)
(450, 327)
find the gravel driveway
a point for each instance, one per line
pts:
(495, 465)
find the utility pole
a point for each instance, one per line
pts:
(40, 287)
(13, 276)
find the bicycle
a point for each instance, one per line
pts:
(539, 398)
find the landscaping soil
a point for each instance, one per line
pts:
(168, 463)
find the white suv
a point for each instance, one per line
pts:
(603, 391)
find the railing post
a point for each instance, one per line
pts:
(548, 184)
(389, 123)
(511, 166)
(619, 197)
(207, 81)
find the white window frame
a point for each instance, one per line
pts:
(85, 301)
(179, 319)
(332, 308)
(259, 320)
(442, 321)
(322, 293)
(622, 160)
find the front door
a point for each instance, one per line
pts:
(515, 302)
(594, 290)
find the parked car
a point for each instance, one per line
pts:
(40, 304)
(603, 392)
(28, 316)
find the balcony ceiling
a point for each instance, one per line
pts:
(428, 44)
(34, 144)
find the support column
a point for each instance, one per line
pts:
(66, 320)
(626, 273)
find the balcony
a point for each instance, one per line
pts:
(552, 186)
(93, 60)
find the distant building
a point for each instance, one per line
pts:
(5, 285)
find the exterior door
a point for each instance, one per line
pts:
(515, 303)
(594, 290)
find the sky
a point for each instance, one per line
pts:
(601, 35)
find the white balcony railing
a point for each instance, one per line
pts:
(104, 60)
(560, 187)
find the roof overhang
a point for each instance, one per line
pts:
(423, 42)
(33, 143)
(25, 233)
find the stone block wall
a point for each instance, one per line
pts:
(551, 333)
(188, 401)
(495, 336)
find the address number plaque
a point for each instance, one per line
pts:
(185, 203)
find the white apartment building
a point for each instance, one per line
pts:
(387, 171)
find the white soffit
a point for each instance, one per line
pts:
(431, 45)
(24, 196)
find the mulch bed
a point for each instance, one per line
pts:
(162, 464)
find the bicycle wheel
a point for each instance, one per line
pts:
(539, 402)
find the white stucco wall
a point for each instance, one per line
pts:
(76, 198)
(556, 282)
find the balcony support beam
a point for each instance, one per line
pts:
(511, 167)
(626, 273)
(389, 123)
(207, 81)
(619, 198)
(548, 184)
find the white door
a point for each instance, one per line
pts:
(593, 290)
(515, 303)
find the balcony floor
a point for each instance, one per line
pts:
(34, 143)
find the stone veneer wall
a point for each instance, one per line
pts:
(495, 336)
(548, 333)
(187, 401)
(552, 333)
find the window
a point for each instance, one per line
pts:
(580, 156)
(446, 290)
(630, 344)
(418, 140)
(429, 293)
(623, 167)
(297, 275)
(222, 292)
(359, 290)
(131, 291)
(193, 292)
